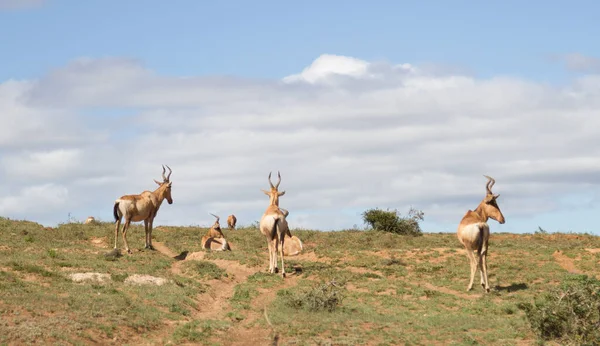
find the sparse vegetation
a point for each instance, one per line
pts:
(391, 221)
(389, 289)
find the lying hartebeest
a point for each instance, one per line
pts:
(274, 226)
(231, 221)
(474, 233)
(292, 245)
(90, 220)
(142, 207)
(214, 238)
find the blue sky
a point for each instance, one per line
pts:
(535, 43)
(274, 39)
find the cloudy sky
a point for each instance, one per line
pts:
(358, 105)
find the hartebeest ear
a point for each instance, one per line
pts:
(281, 193)
(159, 183)
(266, 192)
(489, 198)
(170, 184)
(496, 196)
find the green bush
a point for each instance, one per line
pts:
(390, 221)
(322, 297)
(569, 314)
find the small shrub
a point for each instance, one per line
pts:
(569, 314)
(322, 297)
(390, 221)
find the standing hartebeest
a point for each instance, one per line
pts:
(142, 207)
(214, 238)
(274, 226)
(231, 221)
(474, 233)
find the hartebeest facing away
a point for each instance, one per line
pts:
(214, 238)
(274, 227)
(474, 233)
(142, 207)
(231, 221)
(292, 245)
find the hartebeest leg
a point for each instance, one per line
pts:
(125, 228)
(281, 240)
(146, 232)
(117, 232)
(150, 227)
(473, 263)
(483, 267)
(270, 246)
(274, 250)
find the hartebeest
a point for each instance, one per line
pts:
(89, 220)
(214, 238)
(474, 233)
(231, 221)
(274, 226)
(292, 245)
(142, 207)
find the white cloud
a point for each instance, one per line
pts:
(346, 135)
(34, 200)
(581, 63)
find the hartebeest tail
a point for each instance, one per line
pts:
(474, 233)
(116, 211)
(142, 207)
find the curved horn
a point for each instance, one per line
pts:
(270, 183)
(170, 171)
(215, 216)
(278, 182)
(163, 173)
(489, 184)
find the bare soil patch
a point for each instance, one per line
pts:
(565, 262)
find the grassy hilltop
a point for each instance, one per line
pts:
(346, 288)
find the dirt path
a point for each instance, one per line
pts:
(214, 304)
(248, 333)
(565, 262)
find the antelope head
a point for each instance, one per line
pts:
(274, 194)
(166, 184)
(216, 226)
(489, 205)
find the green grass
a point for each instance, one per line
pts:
(396, 289)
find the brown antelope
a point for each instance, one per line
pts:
(89, 220)
(292, 245)
(474, 233)
(274, 226)
(214, 238)
(142, 207)
(231, 221)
